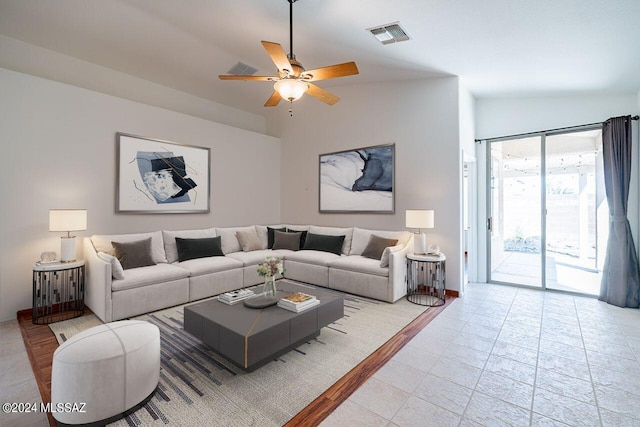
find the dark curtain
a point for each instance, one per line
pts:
(620, 277)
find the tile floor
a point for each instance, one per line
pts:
(499, 356)
(509, 356)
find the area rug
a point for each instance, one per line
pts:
(198, 387)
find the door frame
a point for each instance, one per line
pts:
(543, 201)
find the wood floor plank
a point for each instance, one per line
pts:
(41, 343)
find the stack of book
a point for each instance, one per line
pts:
(235, 296)
(298, 302)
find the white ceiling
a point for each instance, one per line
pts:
(497, 47)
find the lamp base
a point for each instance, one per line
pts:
(68, 249)
(419, 243)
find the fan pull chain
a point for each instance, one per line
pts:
(291, 107)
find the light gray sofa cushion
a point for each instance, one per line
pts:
(214, 264)
(360, 264)
(143, 276)
(169, 238)
(230, 242)
(333, 231)
(312, 257)
(251, 258)
(102, 243)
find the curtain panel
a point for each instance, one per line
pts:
(620, 283)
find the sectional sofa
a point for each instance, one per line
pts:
(170, 282)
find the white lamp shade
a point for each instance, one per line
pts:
(290, 89)
(419, 218)
(67, 219)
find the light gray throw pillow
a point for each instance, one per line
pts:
(249, 240)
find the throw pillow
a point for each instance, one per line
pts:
(134, 254)
(384, 260)
(270, 235)
(117, 272)
(324, 243)
(198, 248)
(376, 245)
(249, 240)
(303, 238)
(287, 240)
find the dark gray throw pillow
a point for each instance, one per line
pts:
(375, 246)
(134, 254)
(270, 235)
(303, 238)
(282, 240)
(198, 248)
(324, 243)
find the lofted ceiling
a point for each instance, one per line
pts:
(497, 47)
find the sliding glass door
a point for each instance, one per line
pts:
(577, 212)
(547, 208)
(515, 223)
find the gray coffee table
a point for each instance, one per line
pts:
(250, 338)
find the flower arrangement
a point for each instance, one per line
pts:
(271, 266)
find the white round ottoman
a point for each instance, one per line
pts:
(110, 368)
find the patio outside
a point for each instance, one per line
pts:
(576, 213)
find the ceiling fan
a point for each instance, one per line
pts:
(293, 80)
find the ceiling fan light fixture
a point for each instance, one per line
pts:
(290, 89)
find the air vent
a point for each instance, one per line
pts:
(390, 33)
(242, 69)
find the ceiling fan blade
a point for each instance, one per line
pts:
(241, 77)
(273, 100)
(331, 72)
(278, 56)
(322, 94)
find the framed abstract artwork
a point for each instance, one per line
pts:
(359, 180)
(155, 176)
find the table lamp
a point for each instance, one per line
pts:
(419, 218)
(67, 220)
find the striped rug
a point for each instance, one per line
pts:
(198, 387)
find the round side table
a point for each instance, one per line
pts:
(426, 279)
(58, 291)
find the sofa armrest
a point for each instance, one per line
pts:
(97, 290)
(398, 271)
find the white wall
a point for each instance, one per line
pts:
(466, 106)
(26, 58)
(59, 151)
(496, 117)
(420, 117)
